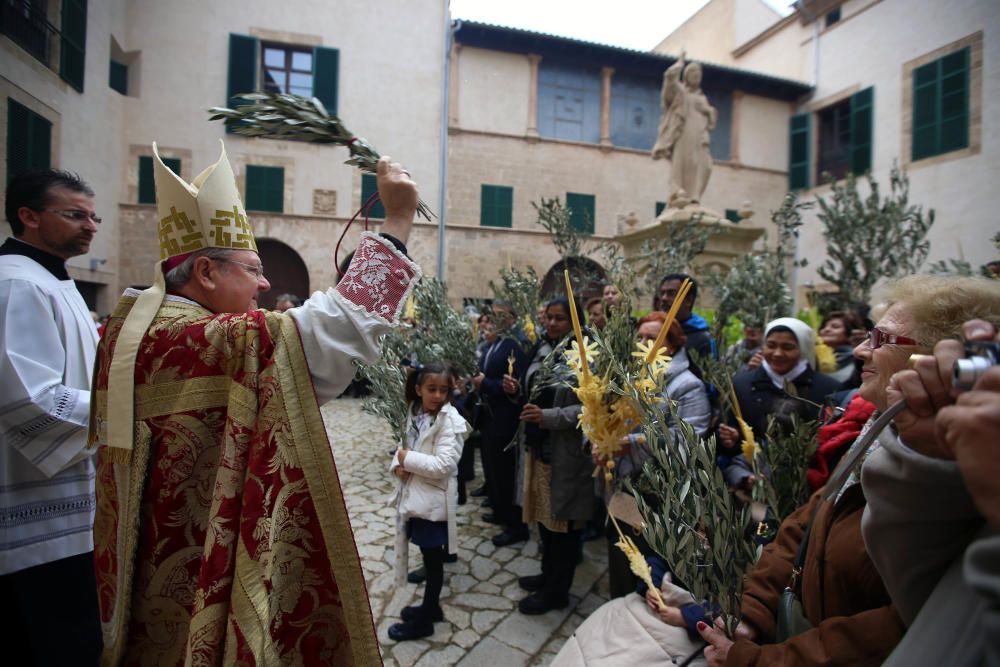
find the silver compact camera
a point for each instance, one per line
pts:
(980, 356)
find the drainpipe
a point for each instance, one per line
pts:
(814, 19)
(443, 168)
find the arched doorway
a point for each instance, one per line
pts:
(284, 269)
(588, 278)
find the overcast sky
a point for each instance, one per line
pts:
(636, 24)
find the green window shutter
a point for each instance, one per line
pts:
(862, 104)
(486, 206)
(496, 207)
(118, 77)
(29, 140)
(954, 133)
(581, 211)
(147, 189)
(732, 215)
(798, 151)
(941, 105)
(326, 72)
(147, 183)
(660, 205)
(925, 122)
(242, 76)
(73, 42)
(369, 186)
(265, 189)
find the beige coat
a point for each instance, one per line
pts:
(625, 632)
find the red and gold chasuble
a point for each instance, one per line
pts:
(224, 540)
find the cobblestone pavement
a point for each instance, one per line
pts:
(482, 625)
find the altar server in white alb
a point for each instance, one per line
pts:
(48, 342)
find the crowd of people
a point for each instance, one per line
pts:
(837, 553)
(218, 532)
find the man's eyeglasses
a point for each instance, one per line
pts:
(255, 270)
(75, 215)
(877, 338)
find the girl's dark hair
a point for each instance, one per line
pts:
(420, 371)
(562, 302)
(850, 319)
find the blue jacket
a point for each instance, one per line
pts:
(698, 336)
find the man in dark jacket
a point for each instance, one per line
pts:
(694, 326)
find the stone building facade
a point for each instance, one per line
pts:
(152, 69)
(905, 82)
(89, 86)
(533, 115)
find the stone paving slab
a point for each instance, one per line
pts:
(482, 625)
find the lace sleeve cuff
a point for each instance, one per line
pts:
(379, 279)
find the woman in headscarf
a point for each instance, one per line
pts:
(786, 383)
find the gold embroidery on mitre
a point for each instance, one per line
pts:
(178, 234)
(206, 213)
(225, 223)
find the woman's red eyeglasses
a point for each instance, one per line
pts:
(877, 338)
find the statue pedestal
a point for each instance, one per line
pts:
(687, 212)
(732, 242)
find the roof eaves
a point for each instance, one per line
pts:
(519, 40)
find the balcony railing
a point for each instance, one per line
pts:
(26, 24)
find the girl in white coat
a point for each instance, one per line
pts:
(427, 496)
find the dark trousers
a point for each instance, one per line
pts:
(620, 577)
(467, 463)
(52, 614)
(560, 551)
(502, 476)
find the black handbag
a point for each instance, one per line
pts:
(790, 617)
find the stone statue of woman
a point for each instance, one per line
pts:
(684, 130)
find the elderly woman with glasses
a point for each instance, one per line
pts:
(854, 621)
(921, 500)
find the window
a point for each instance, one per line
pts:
(26, 22)
(660, 205)
(302, 70)
(941, 105)
(719, 137)
(833, 124)
(287, 69)
(496, 206)
(569, 102)
(265, 189)
(832, 16)
(369, 186)
(581, 211)
(73, 42)
(147, 185)
(845, 136)
(27, 25)
(29, 139)
(635, 112)
(118, 77)
(844, 142)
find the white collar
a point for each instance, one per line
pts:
(779, 380)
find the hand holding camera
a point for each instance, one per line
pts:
(933, 383)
